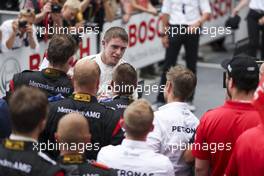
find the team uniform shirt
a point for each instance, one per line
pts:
(256, 5)
(218, 131)
(53, 82)
(119, 103)
(174, 126)
(7, 30)
(248, 156)
(185, 12)
(20, 156)
(104, 124)
(76, 164)
(133, 158)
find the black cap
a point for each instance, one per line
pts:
(233, 22)
(240, 65)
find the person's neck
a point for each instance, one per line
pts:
(241, 96)
(143, 138)
(103, 58)
(172, 99)
(64, 69)
(85, 91)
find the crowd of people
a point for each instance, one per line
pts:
(92, 121)
(73, 14)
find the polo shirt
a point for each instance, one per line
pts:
(219, 129)
(248, 154)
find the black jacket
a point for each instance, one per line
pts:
(20, 158)
(119, 103)
(51, 81)
(104, 123)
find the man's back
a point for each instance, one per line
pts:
(19, 158)
(135, 158)
(119, 103)
(102, 122)
(51, 81)
(174, 126)
(219, 129)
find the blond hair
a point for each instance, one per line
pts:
(138, 118)
(74, 4)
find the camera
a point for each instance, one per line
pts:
(55, 8)
(22, 24)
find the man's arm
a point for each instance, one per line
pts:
(11, 38)
(109, 13)
(240, 5)
(201, 167)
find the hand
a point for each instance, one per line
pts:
(153, 12)
(47, 8)
(261, 21)
(234, 12)
(29, 30)
(193, 27)
(15, 26)
(165, 41)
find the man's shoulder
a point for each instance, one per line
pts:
(92, 57)
(109, 151)
(7, 23)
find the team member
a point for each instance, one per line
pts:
(182, 16)
(247, 156)
(219, 128)
(52, 80)
(19, 32)
(115, 42)
(74, 129)
(255, 24)
(123, 85)
(133, 156)
(19, 154)
(103, 122)
(174, 124)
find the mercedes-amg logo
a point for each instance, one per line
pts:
(9, 67)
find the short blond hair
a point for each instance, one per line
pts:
(74, 4)
(138, 118)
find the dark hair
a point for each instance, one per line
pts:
(116, 32)
(28, 106)
(245, 82)
(60, 49)
(183, 81)
(125, 77)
